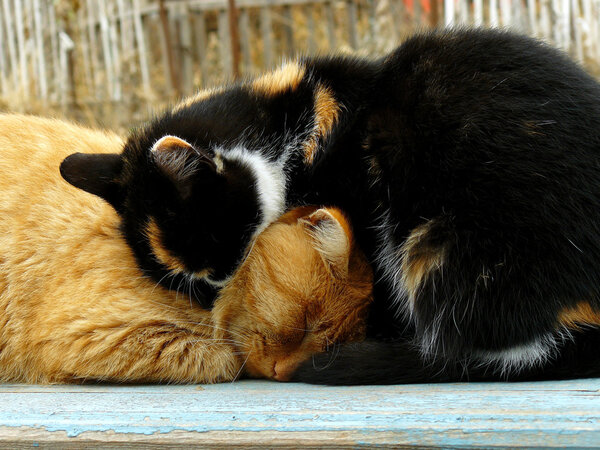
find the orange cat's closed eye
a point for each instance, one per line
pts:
(304, 288)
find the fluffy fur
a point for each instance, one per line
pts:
(468, 163)
(74, 305)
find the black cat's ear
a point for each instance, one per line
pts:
(180, 161)
(332, 237)
(96, 173)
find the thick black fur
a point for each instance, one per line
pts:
(490, 139)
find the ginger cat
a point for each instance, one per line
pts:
(75, 306)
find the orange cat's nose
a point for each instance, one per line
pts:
(283, 369)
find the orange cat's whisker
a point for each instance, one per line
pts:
(242, 367)
(160, 281)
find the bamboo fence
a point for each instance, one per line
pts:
(110, 59)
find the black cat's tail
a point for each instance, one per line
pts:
(375, 362)
(400, 362)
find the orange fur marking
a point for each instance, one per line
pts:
(162, 254)
(327, 111)
(580, 314)
(285, 78)
(170, 144)
(198, 97)
(419, 259)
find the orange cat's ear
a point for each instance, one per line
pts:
(179, 160)
(332, 237)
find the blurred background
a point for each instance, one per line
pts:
(113, 63)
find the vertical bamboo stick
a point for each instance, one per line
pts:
(225, 42)
(352, 33)
(94, 48)
(4, 89)
(22, 52)
(234, 38)
(418, 12)
(463, 11)
(245, 40)
(372, 18)
(141, 48)
(545, 19)
(310, 27)
(576, 23)
(449, 12)
(532, 16)
(288, 29)
(185, 40)
(54, 54)
(330, 19)
(494, 13)
(589, 28)
(200, 32)
(39, 42)
(267, 36)
(114, 49)
(505, 13)
(478, 12)
(85, 51)
(106, 48)
(566, 23)
(168, 49)
(65, 46)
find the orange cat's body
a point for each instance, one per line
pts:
(74, 305)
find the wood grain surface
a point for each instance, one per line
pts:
(257, 413)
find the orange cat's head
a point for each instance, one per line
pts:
(303, 288)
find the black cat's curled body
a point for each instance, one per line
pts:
(468, 161)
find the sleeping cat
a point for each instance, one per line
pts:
(74, 306)
(468, 162)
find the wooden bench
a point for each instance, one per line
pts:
(259, 413)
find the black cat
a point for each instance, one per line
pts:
(468, 161)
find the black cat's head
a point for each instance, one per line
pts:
(196, 184)
(185, 208)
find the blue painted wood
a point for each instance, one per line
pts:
(565, 413)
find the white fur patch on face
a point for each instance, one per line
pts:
(270, 182)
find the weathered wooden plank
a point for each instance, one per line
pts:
(258, 413)
(225, 42)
